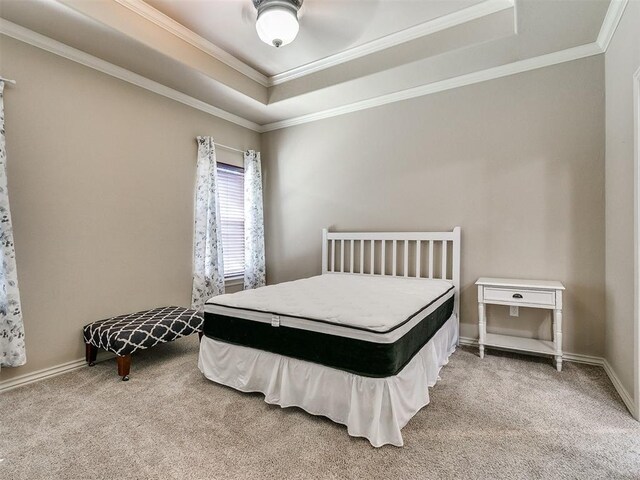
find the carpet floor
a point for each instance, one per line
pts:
(504, 417)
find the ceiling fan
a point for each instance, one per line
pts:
(277, 22)
(325, 24)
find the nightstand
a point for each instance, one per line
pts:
(521, 293)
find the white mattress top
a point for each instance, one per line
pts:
(375, 303)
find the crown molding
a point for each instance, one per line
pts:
(37, 40)
(170, 25)
(53, 46)
(610, 23)
(520, 66)
(25, 35)
(429, 27)
(612, 19)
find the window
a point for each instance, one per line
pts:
(231, 197)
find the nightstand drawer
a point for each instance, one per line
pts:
(531, 297)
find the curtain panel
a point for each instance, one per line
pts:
(208, 266)
(12, 348)
(254, 258)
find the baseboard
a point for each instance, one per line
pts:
(569, 357)
(589, 360)
(102, 356)
(579, 358)
(54, 371)
(626, 398)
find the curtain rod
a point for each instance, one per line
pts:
(12, 82)
(228, 148)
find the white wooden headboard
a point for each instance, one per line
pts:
(413, 255)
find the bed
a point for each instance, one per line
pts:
(360, 344)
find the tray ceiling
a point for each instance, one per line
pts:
(372, 51)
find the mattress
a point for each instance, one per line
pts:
(367, 325)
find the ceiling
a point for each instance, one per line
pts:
(327, 27)
(349, 53)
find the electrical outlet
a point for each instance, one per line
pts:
(514, 311)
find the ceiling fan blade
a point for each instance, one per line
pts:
(330, 34)
(248, 13)
(336, 23)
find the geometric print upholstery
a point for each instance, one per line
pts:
(125, 334)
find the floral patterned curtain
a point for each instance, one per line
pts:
(208, 266)
(254, 262)
(12, 350)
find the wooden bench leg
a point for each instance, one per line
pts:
(124, 366)
(91, 354)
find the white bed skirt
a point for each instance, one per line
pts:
(374, 408)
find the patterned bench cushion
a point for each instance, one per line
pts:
(125, 334)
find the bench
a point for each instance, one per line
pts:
(126, 334)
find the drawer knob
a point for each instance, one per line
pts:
(517, 295)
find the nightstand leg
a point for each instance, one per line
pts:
(482, 328)
(557, 337)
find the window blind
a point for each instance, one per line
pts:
(231, 197)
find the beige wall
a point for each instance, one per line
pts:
(518, 162)
(101, 177)
(621, 61)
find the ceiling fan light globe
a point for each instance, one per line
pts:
(277, 26)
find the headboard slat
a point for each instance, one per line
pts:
(430, 258)
(373, 257)
(394, 258)
(351, 256)
(383, 265)
(333, 255)
(443, 272)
